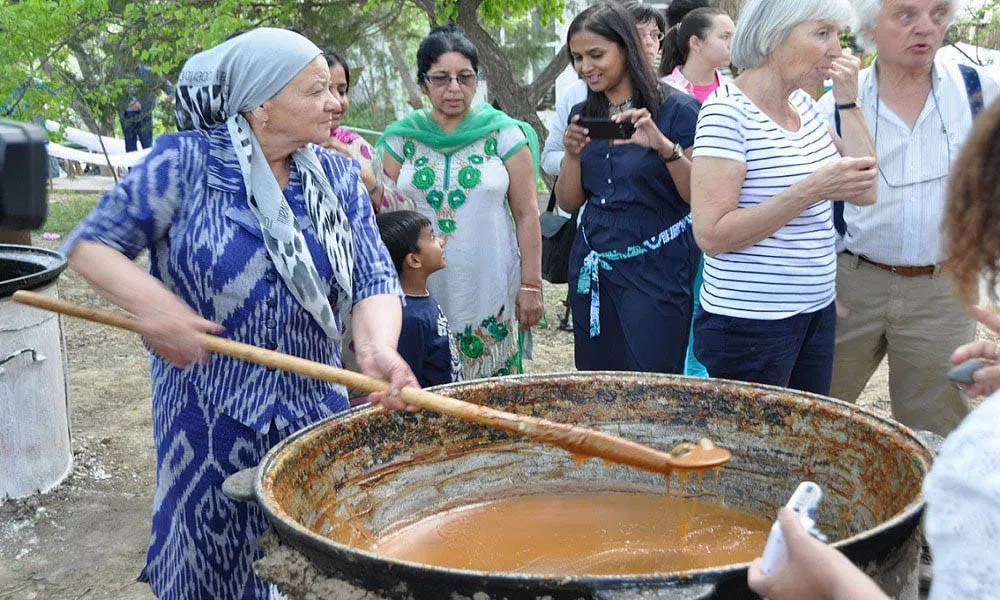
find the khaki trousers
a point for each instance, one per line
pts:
(918, 322)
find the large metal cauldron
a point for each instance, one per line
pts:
(387, 468)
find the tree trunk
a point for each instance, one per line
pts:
(518, 101)
(415, 98)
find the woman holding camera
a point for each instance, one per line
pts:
(631, 268)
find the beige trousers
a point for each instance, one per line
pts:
(918, 322)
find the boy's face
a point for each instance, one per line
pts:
(430, 251)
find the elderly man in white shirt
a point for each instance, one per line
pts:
(894, 299)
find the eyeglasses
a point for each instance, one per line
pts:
(926, 176)
(464, 80)
(654, 34)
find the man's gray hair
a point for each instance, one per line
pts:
(866, 14)
(764, 24)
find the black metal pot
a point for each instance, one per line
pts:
(27, 268)
(383, 469)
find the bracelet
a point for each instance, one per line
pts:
(847, 106)
(533, 286)
(676, 154)
(525, 288)
(374, 187)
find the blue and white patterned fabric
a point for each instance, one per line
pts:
(187, 204)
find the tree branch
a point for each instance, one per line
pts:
(412, 88)
(547, 78)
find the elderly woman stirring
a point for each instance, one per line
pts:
(765, 167)
(256, 235)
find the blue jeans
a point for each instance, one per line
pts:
(796, 352)
(137, 127)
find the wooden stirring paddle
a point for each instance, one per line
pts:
(577, 440)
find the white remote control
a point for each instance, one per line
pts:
(804, 502)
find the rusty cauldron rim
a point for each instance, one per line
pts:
(286, 526)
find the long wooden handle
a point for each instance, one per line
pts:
(579, 441)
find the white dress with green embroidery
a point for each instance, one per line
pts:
(464, 195)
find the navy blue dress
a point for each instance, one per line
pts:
(635, 235)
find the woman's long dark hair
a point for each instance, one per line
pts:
(614, 23)
(677, 44)
(333, 58)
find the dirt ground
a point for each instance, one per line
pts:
(87, 538)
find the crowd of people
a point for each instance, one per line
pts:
(744, 231)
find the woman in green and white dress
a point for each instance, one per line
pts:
(471, 171)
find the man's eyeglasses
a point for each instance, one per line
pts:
(928, 175)
(464, 80)
(653, 34)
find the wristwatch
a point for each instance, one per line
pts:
(676, 154)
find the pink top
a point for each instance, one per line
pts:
(701, 92)
(704, 91)
(344, 135)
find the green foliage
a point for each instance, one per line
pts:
(525, 41)
(979, 25)
(496, 12)
(79, 56)
(67, 209)
(74, 61)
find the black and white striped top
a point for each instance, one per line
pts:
(794, 270)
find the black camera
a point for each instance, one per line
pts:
(24, 174)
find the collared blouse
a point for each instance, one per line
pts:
(187, 204)
(904, 226)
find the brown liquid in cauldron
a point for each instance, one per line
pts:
(581, 534)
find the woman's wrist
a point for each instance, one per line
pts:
(665, 147)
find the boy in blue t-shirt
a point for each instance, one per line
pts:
(425, 341)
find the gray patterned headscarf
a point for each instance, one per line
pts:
(238, 76)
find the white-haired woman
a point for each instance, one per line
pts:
(765, 167)
(256, 234)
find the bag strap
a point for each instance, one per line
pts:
(838, 205)
(973, 88)
(552, 196)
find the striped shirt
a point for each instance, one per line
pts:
(794, 270)
(904, 227)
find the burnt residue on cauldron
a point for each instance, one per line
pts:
(15, 269)
(374, 470)
(26, 267)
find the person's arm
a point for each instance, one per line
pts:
(169, 325)
(130, 218)
(523, 200)
(681, 132)
(987, 378)
(553, 151)
(854, 138)
(720, 226)
(377, 312)
(377, 321)
(718, 175)
(570, 194)
(811, 570)
(391, 166)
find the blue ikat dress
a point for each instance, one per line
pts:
(187, 205)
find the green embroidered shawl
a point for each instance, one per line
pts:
(480, 121)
